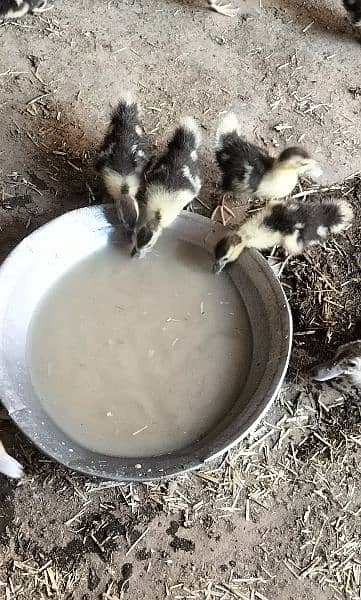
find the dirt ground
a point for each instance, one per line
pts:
(279, 517)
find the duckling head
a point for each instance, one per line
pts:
(126, 161)
(227, 250)
(127, 209)
(346, 363)
(297, 159)
(354, 9)
(145, 239)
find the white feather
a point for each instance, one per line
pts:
(169, 204)
(8, 465)
(277, 183)
(347, 214)
(114, 182)
(292, 244)
(228, 124)
(247, 174)
(322, 231)
(190, 124)
(127, 98)
(313, 170)
(194, 181)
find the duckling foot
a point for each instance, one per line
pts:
(222, 9)
(222, 209)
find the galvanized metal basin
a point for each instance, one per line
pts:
(43, 257)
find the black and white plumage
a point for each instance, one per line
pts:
(14, 9)
(247, 168)
(8, 465)
(290, 225)
(345, 363)
(172, 183)
(122, 159)
(353, 8)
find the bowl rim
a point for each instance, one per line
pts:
(181, 461)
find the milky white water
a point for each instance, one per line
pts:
(140, 357)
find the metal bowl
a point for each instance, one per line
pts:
(43, 257)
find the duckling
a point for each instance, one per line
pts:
(345, 363)
(14, 9)
(122, 159)
(290, 225)
(222, 9)
(246, 168)
(8, 465)
(353, 8)
(171, 185)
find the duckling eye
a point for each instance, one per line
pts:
(352, 363)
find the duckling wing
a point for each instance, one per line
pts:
(305, 224)
(125, 148)
(243, 165)
(322, 220)
(178, 168)
(285, 217)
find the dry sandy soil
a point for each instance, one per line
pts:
(278, 518)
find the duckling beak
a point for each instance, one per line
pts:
(314, 170)
(326, 372)
(219, 266)
(138, 253)
(127, 211)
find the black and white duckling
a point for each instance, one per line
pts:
(14, 9)
(8, 465)
(353, 8)
(290, 225)
(246, 168)
(221, 8)
(122, 159)
(171, 185)
(346, 363)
